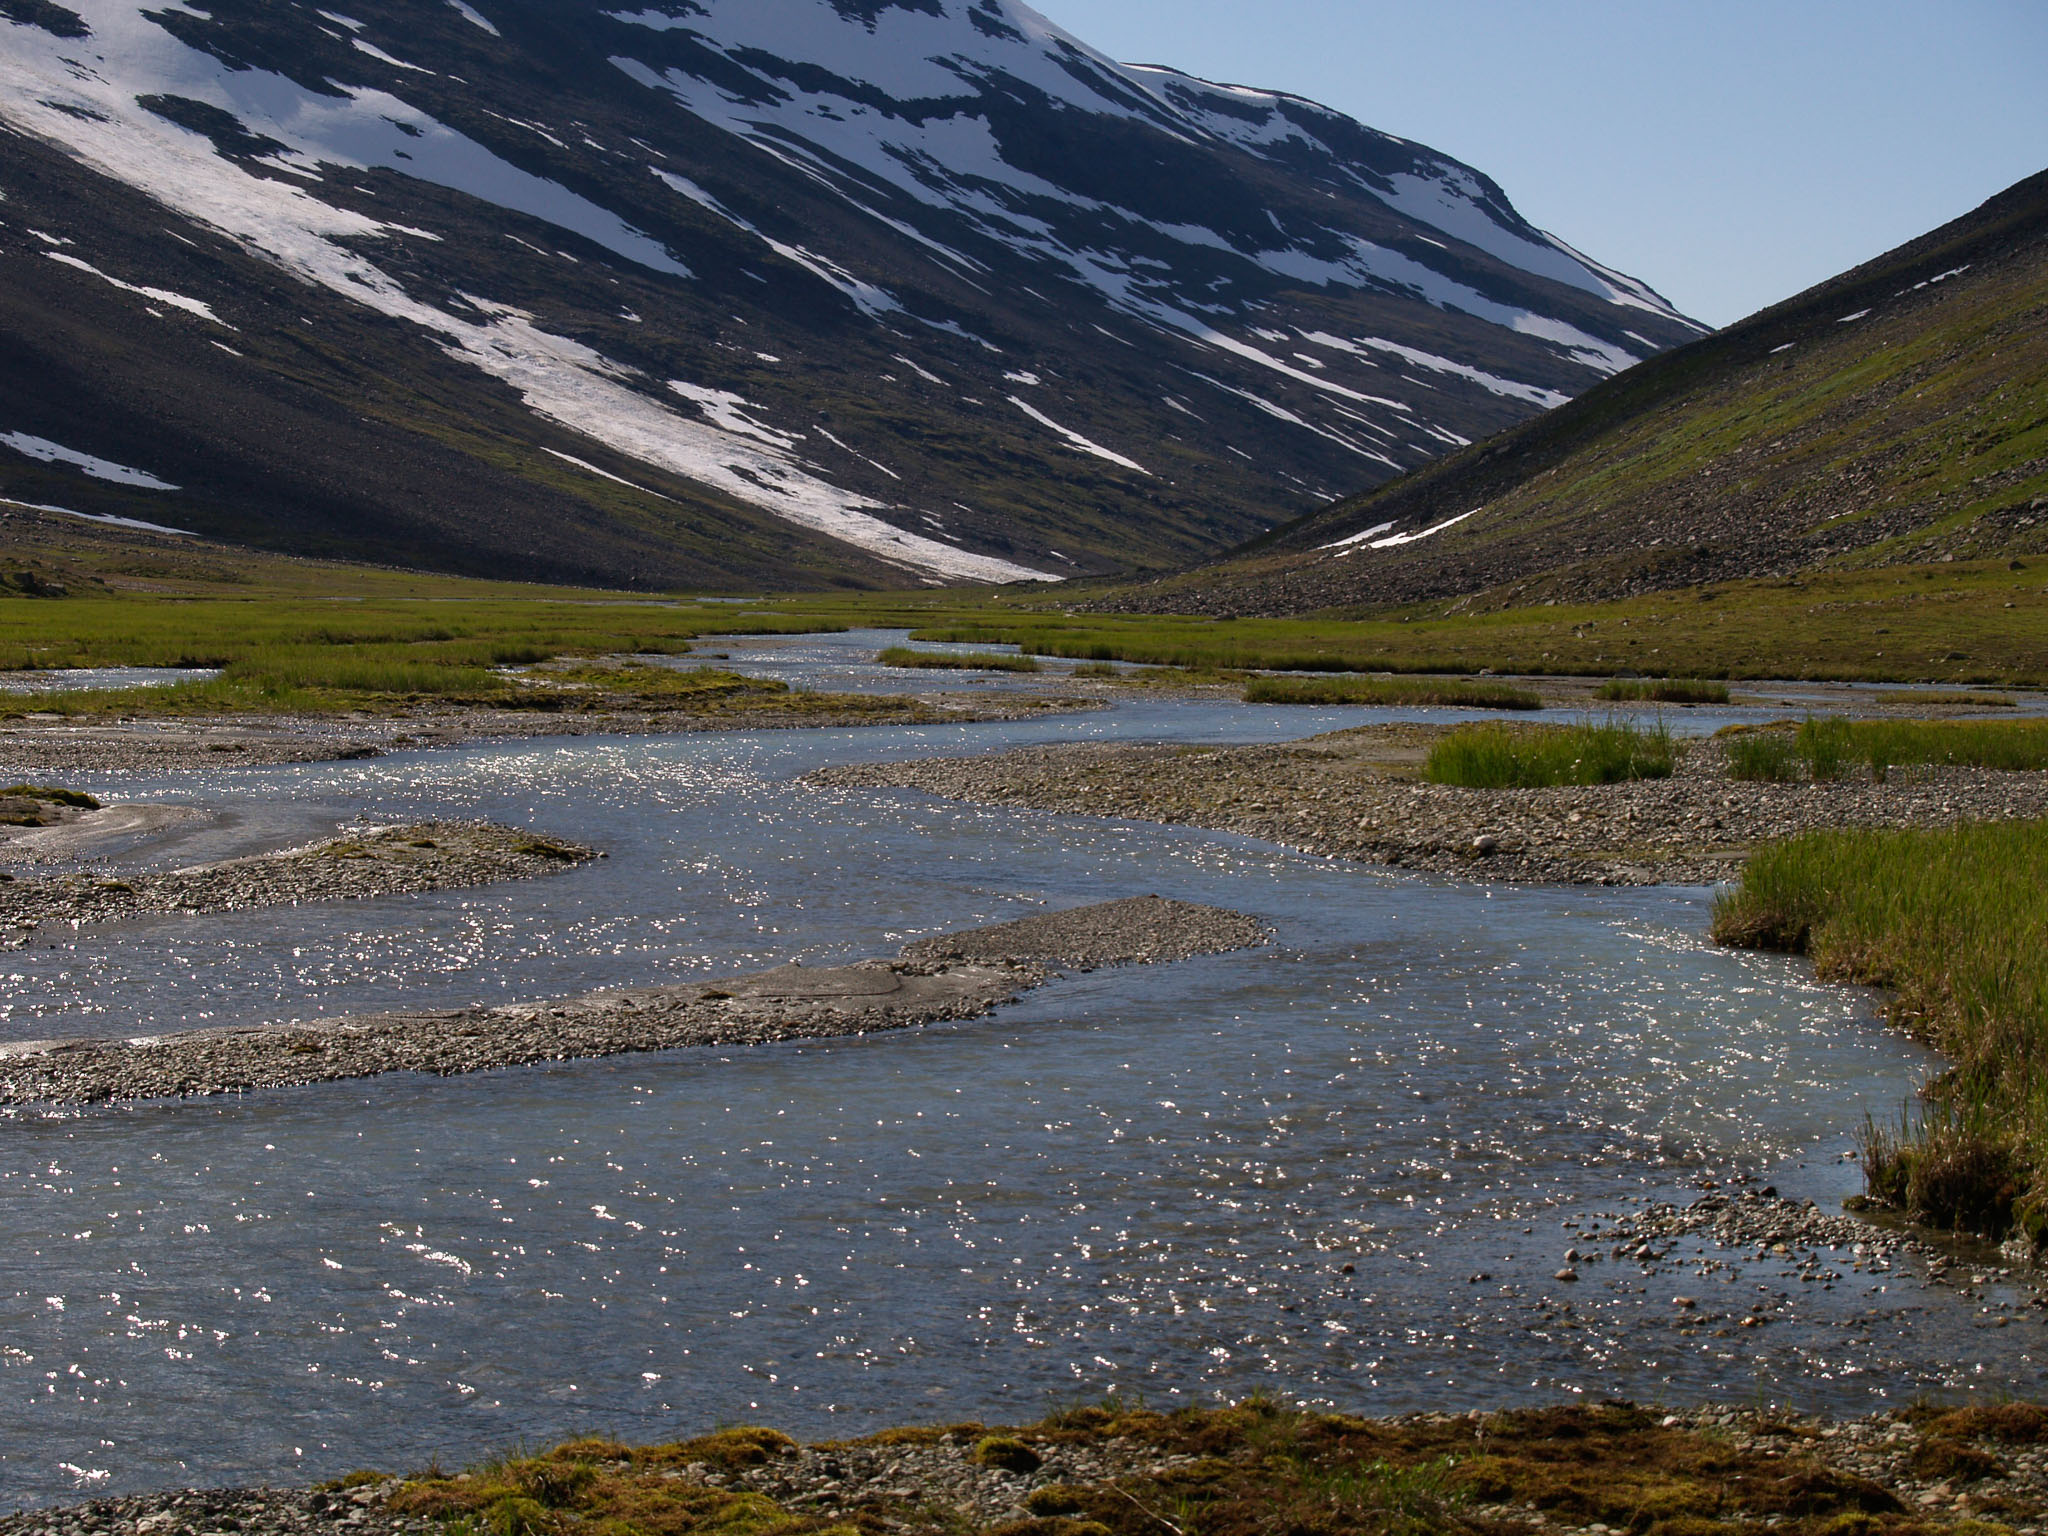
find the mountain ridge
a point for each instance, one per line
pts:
(920, 291)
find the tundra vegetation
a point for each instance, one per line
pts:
(1254, 1468)
(1355, 689)
(1960, 626)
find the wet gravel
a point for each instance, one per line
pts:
(203, 1512)
(375, 861)
(959, 977)
(1354, 795)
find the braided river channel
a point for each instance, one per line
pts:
(1339, 1167)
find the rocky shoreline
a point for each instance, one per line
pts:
(1356, 795)
(1109, 1471)
(958, 976)
(36, 747)
(374, 861)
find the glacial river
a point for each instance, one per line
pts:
(1142, 1180)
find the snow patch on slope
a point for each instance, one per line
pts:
(1394, 541)
(47, 452)
(470, 15)
(1075, 440)
(866, 297)
(111, 518)
(156, 295)
(1549, 399)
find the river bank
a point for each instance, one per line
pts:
(1356, 795)
(1116, 1469)
(957, 976)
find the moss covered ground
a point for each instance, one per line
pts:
(1259, 1468)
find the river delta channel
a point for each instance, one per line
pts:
(1285, 1168)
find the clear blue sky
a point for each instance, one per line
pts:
(1727, 152)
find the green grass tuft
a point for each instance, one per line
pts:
(1936, 698)
(1665, 690)
(1953, 921)
(1763, 757)
(1823, 750)
(953, 661)
(1354, 689)
(1505, 757)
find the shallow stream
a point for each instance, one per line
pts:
(1150, 1179)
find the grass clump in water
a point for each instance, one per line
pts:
(1353, 689)
(1935, 698)
(1505, 757)
(51, 794)
(1953, 921)
(956, 661)
(1762, 757)
(1664, 690)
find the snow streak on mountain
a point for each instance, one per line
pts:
(739, 291)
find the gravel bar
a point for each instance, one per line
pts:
(34, 747)
(958, 977)
(1354, 795)
(375, 861)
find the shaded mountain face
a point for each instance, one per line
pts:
(1895, 415)
(739, 292)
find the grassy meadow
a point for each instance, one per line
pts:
(294, 655)
(1961, 625)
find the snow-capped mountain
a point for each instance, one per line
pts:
(752, 291)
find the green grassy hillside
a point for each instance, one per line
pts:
(1895, 415)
